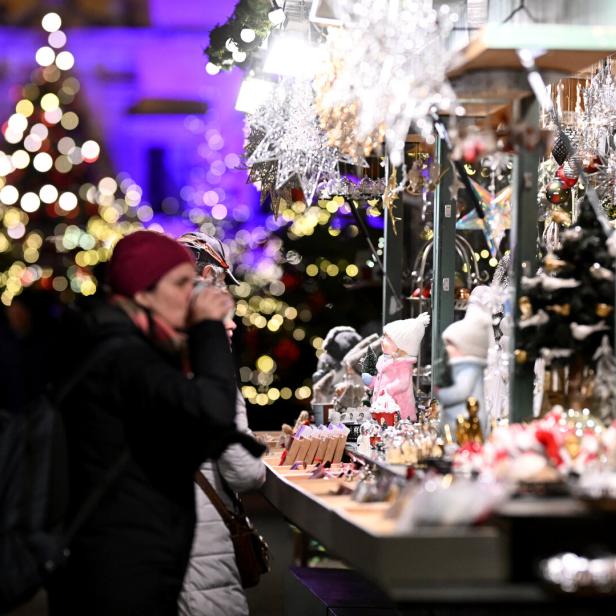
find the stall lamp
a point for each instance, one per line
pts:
(292, 57)
(253, 93)
(277, 17)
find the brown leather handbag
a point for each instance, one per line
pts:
(252, 553)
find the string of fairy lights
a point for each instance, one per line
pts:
(60, 217)
(47, 196)
(268, 311)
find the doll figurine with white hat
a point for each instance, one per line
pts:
(467, 343)
(400, 343)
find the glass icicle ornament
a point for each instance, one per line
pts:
(386, 71)
(605, 381)
(598, 121)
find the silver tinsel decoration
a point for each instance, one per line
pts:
(365, 189)
(394, 71)
(598, 120)
(294, 139)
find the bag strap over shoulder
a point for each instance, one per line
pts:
(208, 489)
(233, 497)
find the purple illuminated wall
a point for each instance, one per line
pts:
(121, 67)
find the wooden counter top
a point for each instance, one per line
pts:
(401, 563)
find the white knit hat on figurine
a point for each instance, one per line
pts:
(407, 334)
(472, 335)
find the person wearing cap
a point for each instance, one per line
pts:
(159, 402)
(210, 257)
(212, 585)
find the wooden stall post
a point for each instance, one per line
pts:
(443, 281)
(523, 251)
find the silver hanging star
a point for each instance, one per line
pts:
(294, 139)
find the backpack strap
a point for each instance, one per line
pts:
(112, 474)
(92, 502)
(100, 350)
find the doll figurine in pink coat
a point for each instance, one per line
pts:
(400, 344)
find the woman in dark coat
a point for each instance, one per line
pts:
(164, 398)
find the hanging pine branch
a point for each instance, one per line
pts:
(240, 35)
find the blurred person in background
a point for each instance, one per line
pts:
(212, 586)
(26, 347)
(155, 406)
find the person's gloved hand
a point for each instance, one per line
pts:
(210, 303)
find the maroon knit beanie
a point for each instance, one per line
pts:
(141, 259)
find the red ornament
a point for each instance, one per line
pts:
(568, 180)
(557, 192)
(548, 440)
(591, 163)
(419, 293)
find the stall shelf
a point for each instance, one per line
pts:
(424, 563)
(446, 569)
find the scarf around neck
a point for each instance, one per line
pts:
(155, 329)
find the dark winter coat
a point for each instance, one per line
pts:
(129, 558)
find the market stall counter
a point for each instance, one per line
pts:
(487, 566)
(362, 535)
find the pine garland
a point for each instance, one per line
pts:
(250, 14)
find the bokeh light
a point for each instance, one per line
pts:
(67, 201)
(51, 22)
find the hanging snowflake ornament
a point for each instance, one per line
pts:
(497, 211)
(293, 139)
(339, 108)
(386, 71)
(265, 175)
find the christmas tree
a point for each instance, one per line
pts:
(568, 306)
(61, 212)
(310, 284)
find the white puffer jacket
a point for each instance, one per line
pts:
(212, 585)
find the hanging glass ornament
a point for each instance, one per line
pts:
(386, 70)
(557, 192)
(567, 175)
(560, 151)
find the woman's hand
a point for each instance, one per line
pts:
(210, 304)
